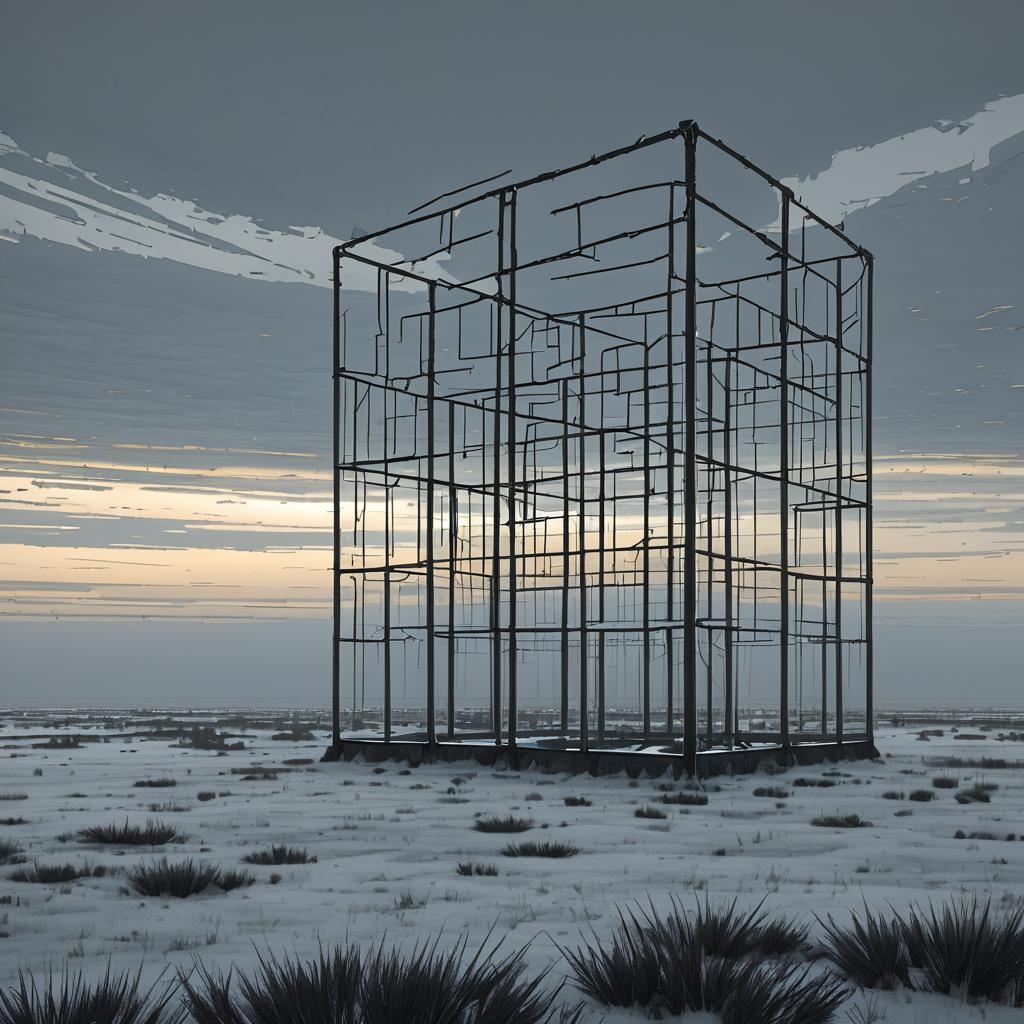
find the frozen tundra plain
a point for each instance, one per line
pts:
(387, 840)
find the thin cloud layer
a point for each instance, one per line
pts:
(864, 175)
(56, 200)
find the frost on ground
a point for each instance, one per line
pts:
(357, 852)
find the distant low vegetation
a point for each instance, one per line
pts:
(508, 823)
(153, 833)
(840, 821)
(546, 849)
(279, 855)
(577, 801)
(55, 873)
(184, 878)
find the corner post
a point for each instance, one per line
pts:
(336, 475)
(784, 738)
(690, 135)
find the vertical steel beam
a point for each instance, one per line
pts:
(784, 479)
(452, 541)
(709, 511)
(730, 710)
(336, 474)
(690, 463)
(601, 553)
(581, 385)
(387, 580)
(495, 603)
(839, 502)
(513, 696)
(429, 524)
(564, 636)
(645, 546)
(670, 464)
(869, 660)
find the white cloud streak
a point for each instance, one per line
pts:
(58, 203)
(864, 175)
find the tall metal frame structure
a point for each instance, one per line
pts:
(602, 468)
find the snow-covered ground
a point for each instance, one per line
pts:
(387, 841)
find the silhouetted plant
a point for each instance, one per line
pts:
(871, 950)
(113, 999)
(10, 852)
(978, 793)
(51, 874)
(153, 833)
(181, 880)
(921, 795)
(963, 946)
(649, 812)
(469, 868)
(661, 962)
(509, 823)
(279, 854)
(233, 878)
(321, 991)
(381, 986)
(840, 821)
(577, 801)
(545, 849)
(684, 799)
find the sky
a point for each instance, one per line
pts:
(171, 185)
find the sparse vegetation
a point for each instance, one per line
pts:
(279, 854)
(775, 792)
(10, 852)
(978, 793)
(840, 821)
(821, 783)
(379, 986)
(181, 880)
(894, 794)
(52, 874)
(234, 878)
(960, 947)
(945, 782)
(13, 821)
(921, 795)
(169, 807)
(153, 833)
(678, 963)
(684, 799)
(577, 801)
(469, 868)
(509, 823)
(70, 999)
(545, 849)
(646, 811)
(985, 763)
(871, 951)
(155, 783)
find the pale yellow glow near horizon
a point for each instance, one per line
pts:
(952, 552)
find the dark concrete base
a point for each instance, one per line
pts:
(737, 761)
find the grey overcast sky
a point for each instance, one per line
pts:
(164, 468)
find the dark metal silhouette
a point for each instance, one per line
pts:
(602, 460)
